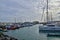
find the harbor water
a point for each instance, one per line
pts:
(29, 33)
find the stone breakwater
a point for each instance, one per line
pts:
(6, 37)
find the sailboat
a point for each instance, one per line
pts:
(49, 27)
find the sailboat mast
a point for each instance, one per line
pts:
(51, 17)
(47, 12)
(15, 19)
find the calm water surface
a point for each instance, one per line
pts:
(30, 33)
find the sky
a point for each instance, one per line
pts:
(26, 10)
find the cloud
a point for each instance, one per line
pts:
(24, 9)
(18, 8)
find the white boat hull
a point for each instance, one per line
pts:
(49, 29)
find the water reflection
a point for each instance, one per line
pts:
(44, 36)
(26, 33)
(30, 33)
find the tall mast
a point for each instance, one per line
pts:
(51, 17)
(47, 12)
(15, 19)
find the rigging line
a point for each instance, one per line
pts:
(42, 14)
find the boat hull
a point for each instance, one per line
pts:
(53, 35)
(49, 29)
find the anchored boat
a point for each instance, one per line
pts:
(53, 35)
(49, 27)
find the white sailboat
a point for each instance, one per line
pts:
(49, 27)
